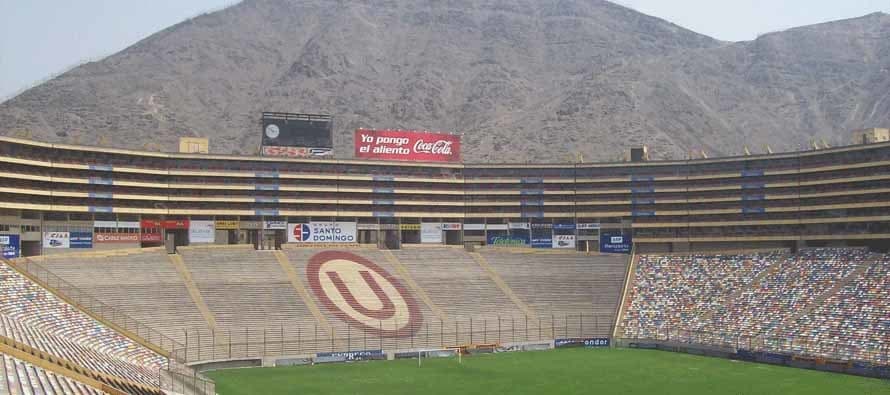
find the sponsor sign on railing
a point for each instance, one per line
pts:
(431, 232)
(81, 239)
(9, 246)
(101, 238)
(615, 242)
(322, 232)
(201, 232)
(347, 356)
(56, 240)
(582, 342)
(564, 241)
(407, 145)
(516, 240)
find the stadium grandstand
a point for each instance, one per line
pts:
(129, 272)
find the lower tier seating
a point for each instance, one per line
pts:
(826, 302)
(21, 378)
(32, 315)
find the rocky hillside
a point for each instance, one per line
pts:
(522, 80)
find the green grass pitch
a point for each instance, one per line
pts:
(571, 371)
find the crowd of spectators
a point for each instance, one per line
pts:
(824, 302)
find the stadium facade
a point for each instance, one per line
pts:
(55, 197)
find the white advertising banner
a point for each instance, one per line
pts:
(431, 232)
(128, 224)
(105, 224)
(564, 241)
(202, 231)
(589, 226)
(322, 232)
(451, 226)
(56, 240)
(496, 227)
(519, 225)
(474, 226)
(276, 225)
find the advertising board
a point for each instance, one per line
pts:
(81, 239)
(407, 145)
(322, 232)
(276, 225)
(9, 246)
(516, 240)
(588, 342)
(431, 232)
(202, 232)
(615, 242)
(116, 238)
(564, 241)
(56, 240)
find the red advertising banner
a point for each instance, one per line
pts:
(151, 237)
(175, 224)
(117, 237)
(407, 145)
(150, 224)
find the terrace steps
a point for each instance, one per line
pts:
(194, 292)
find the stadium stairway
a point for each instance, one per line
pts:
(566, 284)
(300, 288)
(194, 292)
(493, 275)
(418, 291)
(456, 283)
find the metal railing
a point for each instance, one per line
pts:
(297, 340)
(791, 345)
(175, 377)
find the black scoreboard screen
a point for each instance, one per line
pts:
(297, 130)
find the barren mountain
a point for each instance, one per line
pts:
(522, 80)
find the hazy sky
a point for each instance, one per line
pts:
(40, 38)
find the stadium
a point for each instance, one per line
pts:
(136, 272)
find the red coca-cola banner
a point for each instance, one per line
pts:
(407, 145)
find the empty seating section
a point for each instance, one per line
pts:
(245, 288)
(855, 320)
(824, 302)
(144, 286)
(456, 283)
(563, 284)
(31, 315)
(299, 259)
(21, 378)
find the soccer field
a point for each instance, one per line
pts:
(572, 371)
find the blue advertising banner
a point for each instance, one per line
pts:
(582, 342)
(9, 245)
(81, 240)
(615, 242)
(518, 240)
(564, 226)
(542, 241)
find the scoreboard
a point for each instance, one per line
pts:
(296, 135)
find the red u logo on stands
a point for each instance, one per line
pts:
(363, 294)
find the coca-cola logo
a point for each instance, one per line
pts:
(440, 147)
